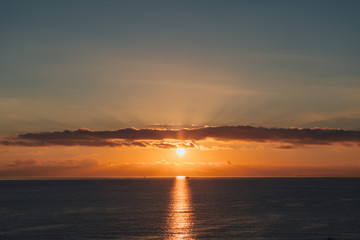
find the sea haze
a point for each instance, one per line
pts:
(174, 208)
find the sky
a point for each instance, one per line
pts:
(112, 88)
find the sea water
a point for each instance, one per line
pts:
(190, 208)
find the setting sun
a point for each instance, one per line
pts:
(180, 151)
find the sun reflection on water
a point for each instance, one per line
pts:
(180, 214)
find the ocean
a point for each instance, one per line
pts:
(189, 208)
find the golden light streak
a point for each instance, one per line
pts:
(180, 215)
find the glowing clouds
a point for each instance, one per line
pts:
(132, 137)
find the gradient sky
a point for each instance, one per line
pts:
(109, 65)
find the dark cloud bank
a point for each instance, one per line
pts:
(146, 137)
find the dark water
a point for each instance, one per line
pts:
(195, 208)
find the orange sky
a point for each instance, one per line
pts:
(235, 159)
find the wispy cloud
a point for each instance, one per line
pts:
(162, 138)
(19, 162)
(33, 167)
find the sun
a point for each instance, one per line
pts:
(180, 151)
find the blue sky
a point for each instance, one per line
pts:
(115, 64)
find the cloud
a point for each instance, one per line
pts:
(286, 147)
(33, 167)
(169, 145)
(162, 138)
(348, 123)
(19, 162)
(174, 126)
